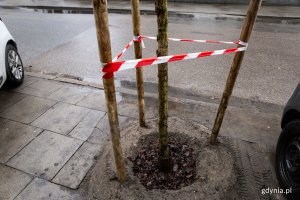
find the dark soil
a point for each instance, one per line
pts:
(146, 166)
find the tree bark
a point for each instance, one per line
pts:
(162, 50)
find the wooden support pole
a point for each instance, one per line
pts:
(136, 23)
(103, 36)
(253, 8)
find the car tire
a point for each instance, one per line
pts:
(288, 159)
(14, 67)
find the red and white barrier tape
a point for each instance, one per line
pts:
(135, 39)
(115, 65)
(188, 40)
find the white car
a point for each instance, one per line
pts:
(11, 66)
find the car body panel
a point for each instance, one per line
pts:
(292, 108)
(5, 37)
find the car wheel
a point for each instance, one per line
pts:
(288, 159)
(14, 66)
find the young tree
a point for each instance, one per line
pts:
(165, 161)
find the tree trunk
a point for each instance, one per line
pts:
(162, 50)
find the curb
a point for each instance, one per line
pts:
(89, 10)
(129, 91)
(65, 79)
(185, 98)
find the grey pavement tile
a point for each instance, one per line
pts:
(98, 137)
(77, 167)
(40, 189)
(92, 118)
(70, 94)
(12, 182)
(28, 80)
(45, 155)
(9, 98)
(13, 137)
(42, 88)
(84, 129)
(103, 125)
(81, 133)
(61, 118)
(102, 132)
(96, 100)
(28, 109)
(2, 120)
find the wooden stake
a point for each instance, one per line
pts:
(253, 8)
(103, 36)
(135, 9)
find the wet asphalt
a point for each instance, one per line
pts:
(66, 43)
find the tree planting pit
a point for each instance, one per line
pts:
(200, 170)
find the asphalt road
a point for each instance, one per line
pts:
(66, 43)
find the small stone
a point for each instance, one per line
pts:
(187, 154)
(149, 183)
(175, 168)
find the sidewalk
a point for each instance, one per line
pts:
(52, 129)
(174, 8)
(50, 136)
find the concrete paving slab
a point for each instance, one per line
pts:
(62, 118)
(9, 98)
(42, 88)
(28, 109)
(12, 182)
(28, 80)
(96, 100)
(13, 137)
(70, 94)
(103, 125)
(40, 189)
(98, 137)
(81, 133)
(2, 120)
(84, 129)
(45, 155)
(77, 167)
(102, 130)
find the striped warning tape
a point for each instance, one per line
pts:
(135, 39)
(114, 66)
